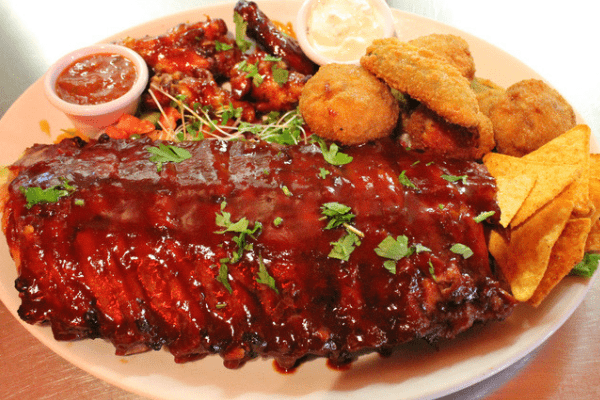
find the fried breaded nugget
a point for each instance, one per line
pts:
(424, 76)
(452, 48)
(430, 79)
(528, 115)
(347, 104)
(487, 92)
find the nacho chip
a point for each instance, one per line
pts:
(550, 180)
(572, 147)
(499, 247)
(512, 192)
(531, 244)
(592, 243)
(566, 253)
(595, 166)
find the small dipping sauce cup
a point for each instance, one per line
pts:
(339, 31)
(97, 85)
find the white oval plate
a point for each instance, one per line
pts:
(417, 371)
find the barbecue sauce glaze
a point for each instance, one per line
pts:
(133, 255)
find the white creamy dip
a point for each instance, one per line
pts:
(342, 29)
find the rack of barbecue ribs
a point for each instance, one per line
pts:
(247, 249)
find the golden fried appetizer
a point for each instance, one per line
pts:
(424, 76)
(347, 104)
(452, 48)
(528, 115)
(430, 79)
(487, 92)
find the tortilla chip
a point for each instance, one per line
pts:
(595, 199)
(531, 244)
(512, 192)
(593, 240)
(595, 166)
(550, 180)
(572, 147)
(498, 247)
(566, 253)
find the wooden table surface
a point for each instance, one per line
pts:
(558, 41)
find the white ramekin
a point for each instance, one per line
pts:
(302, 30)
(92, 119)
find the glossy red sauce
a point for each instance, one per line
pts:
(133, 255)
(96, 79)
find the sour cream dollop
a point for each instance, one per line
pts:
(342, 29)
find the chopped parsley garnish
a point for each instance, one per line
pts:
(432, 271)
(35, 195)
(220, 46)
(332, 154)
(252, 72)
(462, 250)
(419, 248)
(344, 247)
(277, 221)
(587, 266)
(337, 214)
(394, 250)
(223, 277)
(483, 216)
(241, 27)
(286, 191)
(323, 173)
(167, 153)
(405, 181)
(280, 75)
(263, 276)
(455, 178)
(242, 227)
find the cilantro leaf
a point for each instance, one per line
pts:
(405, 181)
(432, 271)
(344, 247)
(394, 250)
(280, 75)
(220, 46)
(323, 173)
(263, 276)
(35, 194)
(462, 250)
(252, 72)
(242, 227)
(241, 27)
(455, 178)
(332, 154)
(483, 216)
(337, 214)
(269, 57)
(587, 266)
(167, 153)
(419, 248)
(223, 277)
